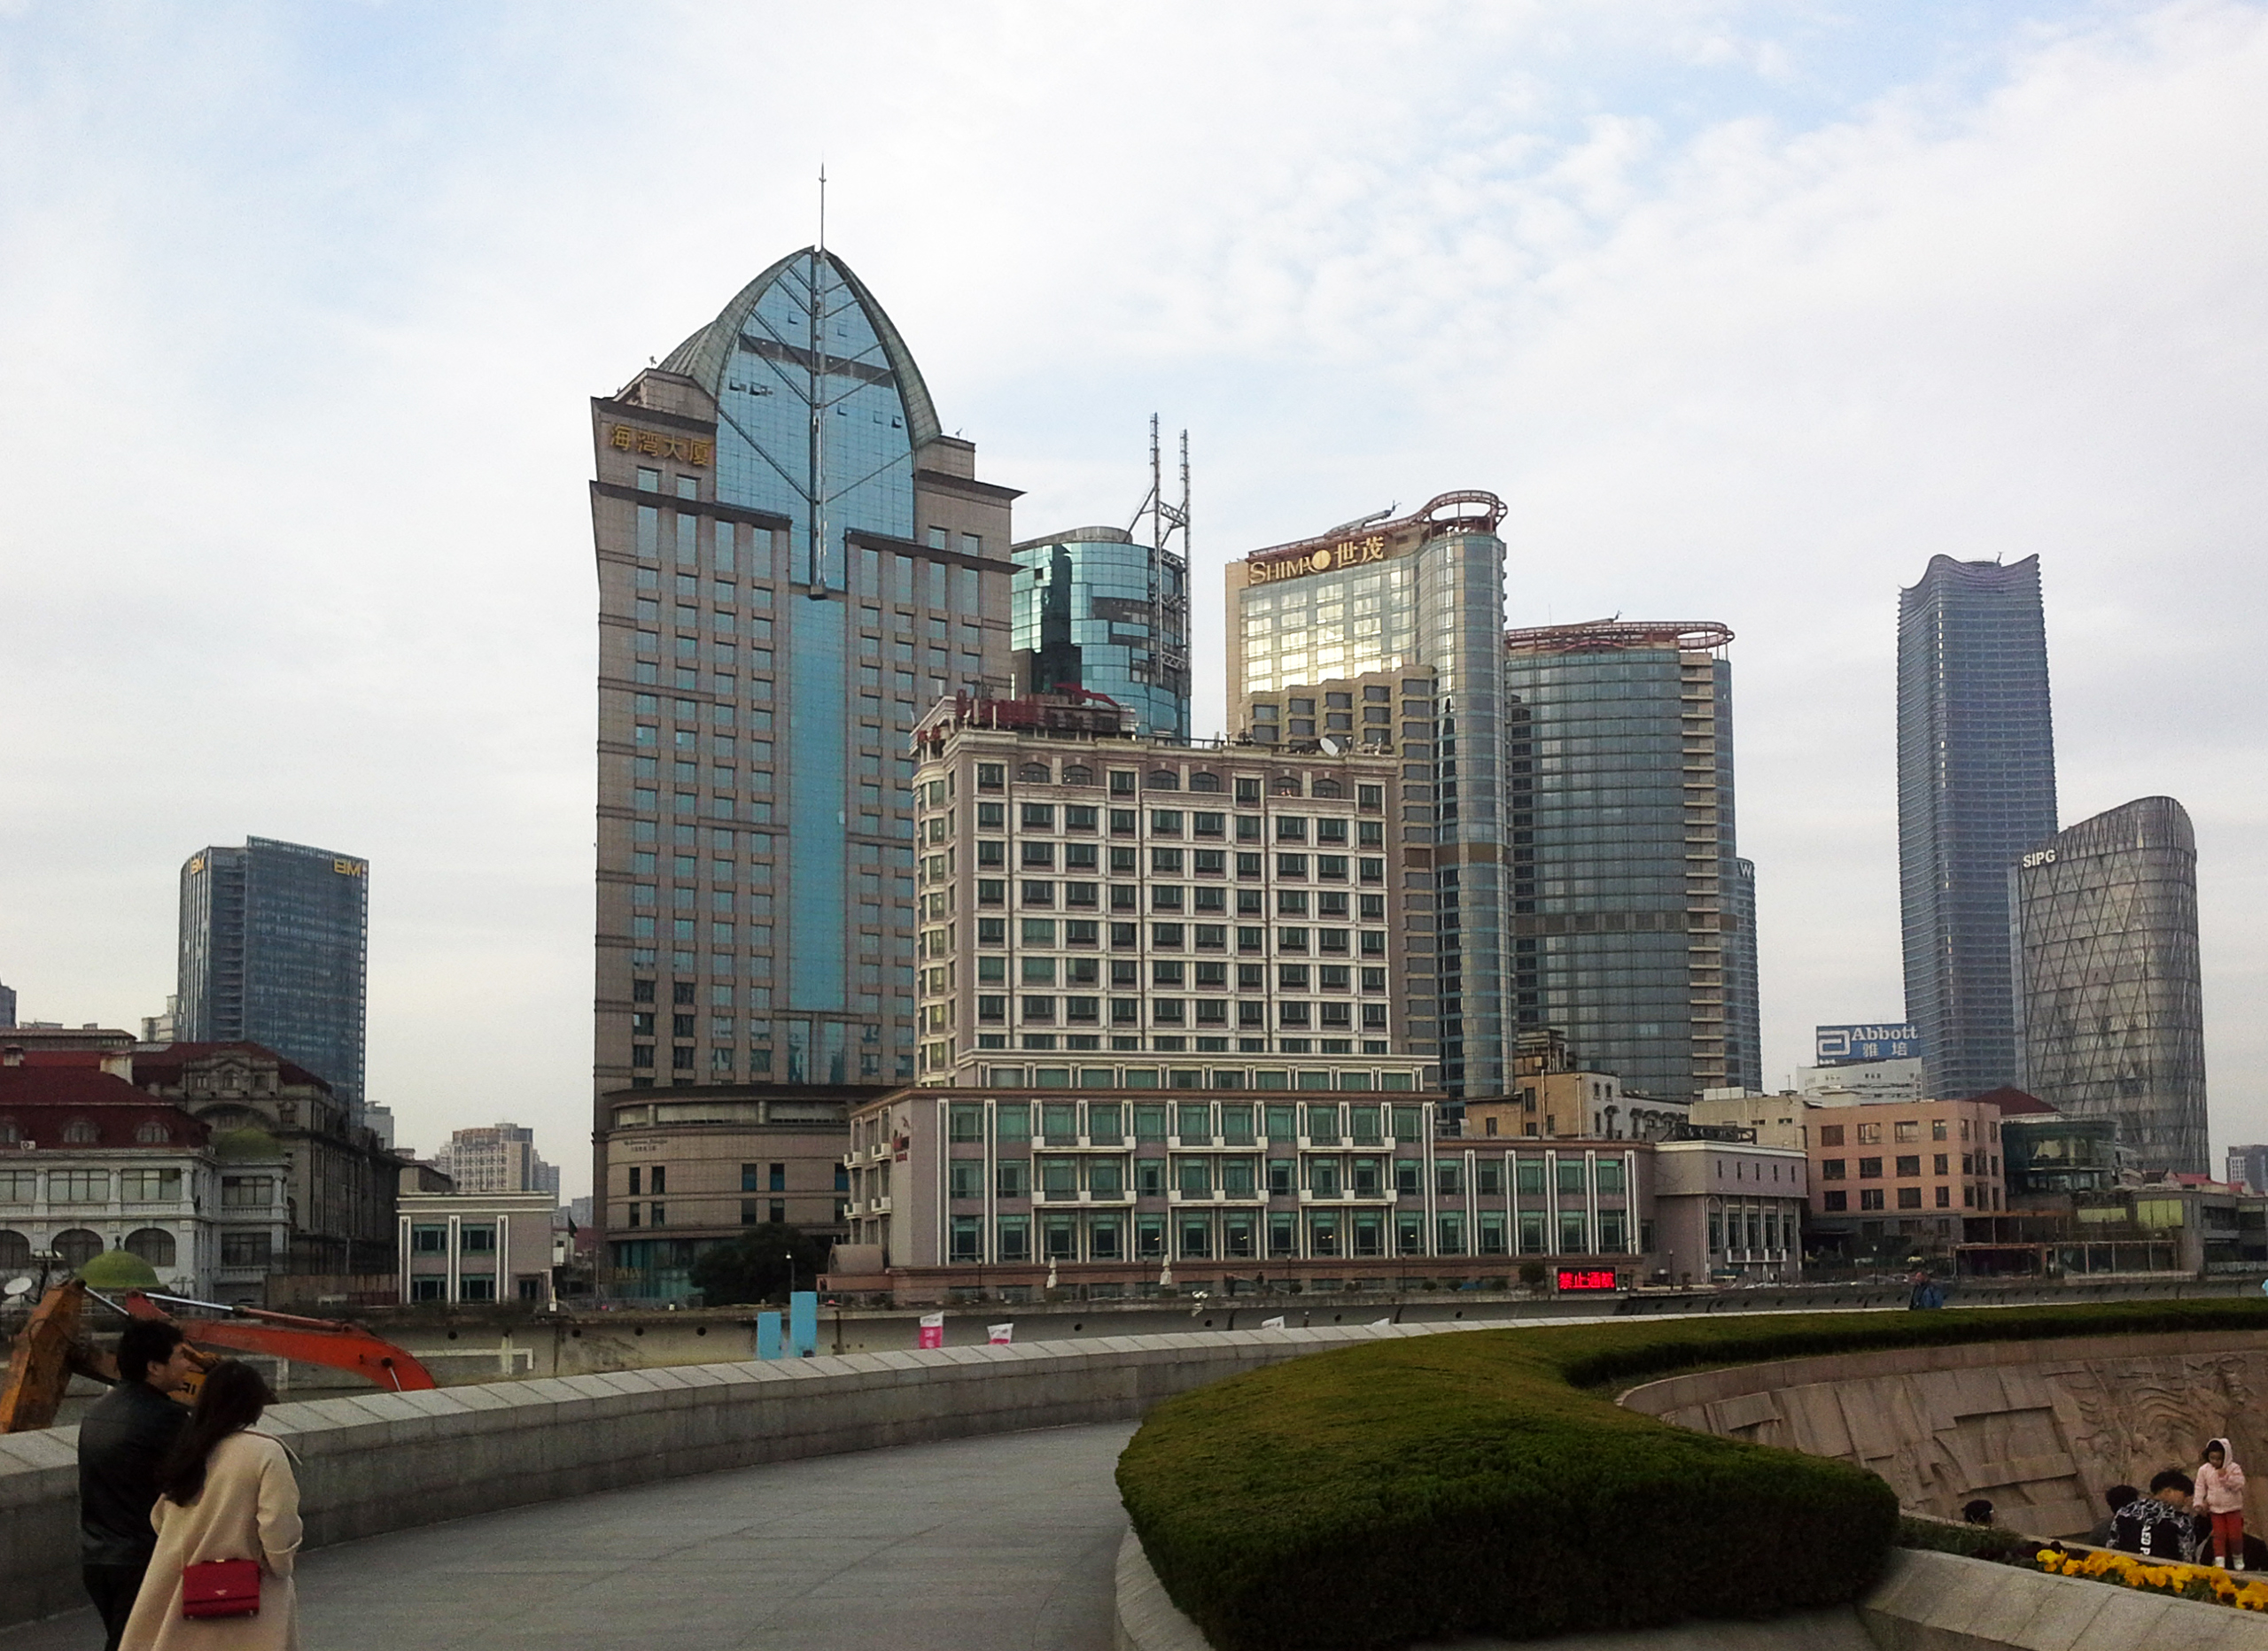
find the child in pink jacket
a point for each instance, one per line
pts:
(2220, 1494)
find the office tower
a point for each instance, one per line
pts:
(1625, 865)
(500, 1158)
(7, 1006)
(1976, 789)
(1385, 637)
(1744, 1009)
(1098, 610)
(2110, 1019)
(1093, 897)
(793, 558)
(2248, 1167)
(274, 948)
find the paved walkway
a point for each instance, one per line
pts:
(995, 1544)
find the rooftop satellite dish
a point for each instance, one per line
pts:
(1331, 746)
(19, 1287)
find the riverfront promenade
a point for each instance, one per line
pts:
(1002, 1542)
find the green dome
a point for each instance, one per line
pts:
(237, 1146)
(119, 1269)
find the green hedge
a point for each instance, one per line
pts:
(1470, 1483)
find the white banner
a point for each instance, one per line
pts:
(1001, 1334)
(1272, 1324)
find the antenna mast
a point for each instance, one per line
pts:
(1169, 571)
(815, 360)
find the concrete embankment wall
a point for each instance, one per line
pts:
(382, 1461)
(2042, 1430)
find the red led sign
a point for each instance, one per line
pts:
(1570, 1279)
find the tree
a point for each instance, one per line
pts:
(755, 1268)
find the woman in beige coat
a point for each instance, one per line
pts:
(227, 1493)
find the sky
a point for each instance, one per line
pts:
(1746, 311)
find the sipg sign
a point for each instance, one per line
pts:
(2039, 857)
(1348, 553)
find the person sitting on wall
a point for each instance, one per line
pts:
(2156, 1526)
(2117, 1496)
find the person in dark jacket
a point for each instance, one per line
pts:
(124, 1438)
(2156, 1526)
(2116, 1498)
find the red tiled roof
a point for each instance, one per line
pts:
(2011, 1099)
(159, 1065)
(40, 1100)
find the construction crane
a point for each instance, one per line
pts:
(55, 1344)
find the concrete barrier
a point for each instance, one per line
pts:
(1923, 1602)
(384, 1461)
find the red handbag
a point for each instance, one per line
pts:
(220, 1587)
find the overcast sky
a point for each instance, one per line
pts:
(1746, 310)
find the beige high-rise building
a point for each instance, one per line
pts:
(793, 556)
(500, 1158)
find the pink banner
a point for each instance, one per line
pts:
(932, 1333)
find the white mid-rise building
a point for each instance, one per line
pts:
(1863, 1083)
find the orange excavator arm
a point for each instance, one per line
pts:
(331, 1343)
(54, 1344)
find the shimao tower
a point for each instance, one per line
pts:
(1976, 790)
(794, 562)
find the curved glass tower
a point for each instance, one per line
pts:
(795, 561)
(2111, 1014)
(1095, 610)
(1976, 789)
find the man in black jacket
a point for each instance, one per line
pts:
(121, 1443)
(2156, 1526)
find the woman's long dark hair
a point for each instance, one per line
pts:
(231, 1400)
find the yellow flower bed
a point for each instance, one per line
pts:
(2207, 1583)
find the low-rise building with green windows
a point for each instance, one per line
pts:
(1123, 1179)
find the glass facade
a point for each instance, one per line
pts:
(1092, 610)
(1386, 636)
(2110, 1019)
(1744, 1011)
(1975, 789)
(1625, 881)
(274, 943)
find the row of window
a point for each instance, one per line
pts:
(1040, 855)
(753, 1213)
(1045, 1009)
(1903, 1129)
(1294, 940)
(135, 1186)
(1199, 1176)
(1972, 1198)
(1907, 1166)
(1126, 972)
(1232, 1123)
(1325, 904)
(1122, 782)
(473, 1238)
(1283, 1235)
(1079, 820)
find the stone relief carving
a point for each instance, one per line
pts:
(2042, 1440)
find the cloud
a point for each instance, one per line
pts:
(1747, 310)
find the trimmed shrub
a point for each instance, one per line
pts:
(1468, 1484)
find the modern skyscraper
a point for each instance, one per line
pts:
(1386, 636)
(1626, 884)
(2248, 1167)
(275, 939)
(2111, 1014)
(7, 1006)
(1097, 612)
(1976, 789)
(1097, 609)
(793, 556)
